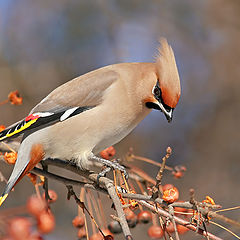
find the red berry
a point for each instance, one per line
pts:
(19, 228)
(99, 236)
(171, 195)
(35, 205)
(107, 233)
(144, 217)
(108, 237)
(181, 229)
(53, 196)
(46, 222)
(96, 236)
(81, 233)
(178, 174)
(155, 232)
(108, 153)
(170, 228)
(115, 227)
(78, 222)
(131, 217)
(167, 186)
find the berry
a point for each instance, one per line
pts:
(81, 233)
(35, 205)
(45, 222)
(181, 229)
(78, 222)
(131, 218)
(53, 196)
(115, 227)
(144, 217)
(155, 232)
(19, 228)
(171, 195)
(108, 153)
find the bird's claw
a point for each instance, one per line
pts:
(103, 173)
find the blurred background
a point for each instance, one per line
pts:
(45, 43)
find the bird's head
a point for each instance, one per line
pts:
(166, 90)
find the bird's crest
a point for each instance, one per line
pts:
(167, 73)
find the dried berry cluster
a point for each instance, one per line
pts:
(40, 218)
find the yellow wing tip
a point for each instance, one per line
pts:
(2, 199)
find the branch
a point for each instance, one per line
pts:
(106, 186)
(89, 180)
(178, 220)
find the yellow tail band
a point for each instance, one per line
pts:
(25, 126)
(2, 199)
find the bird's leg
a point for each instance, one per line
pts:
(45, 184)
(110, 165)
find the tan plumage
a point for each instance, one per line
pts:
(98, 109)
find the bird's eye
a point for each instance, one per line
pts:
(157, 92)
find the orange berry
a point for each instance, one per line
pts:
(96, 236)
(171, 195)
(130, 217)
(19, 228)
(53, 196)
(10, 157)
(14, 98)
(155, 232)
(99, 236)
(181, 229)
(45, 222)
(144, 217)
(167, 186)
(108, 237)
(35, 206)
(170, 228)
(178, 174)
(106, 232)
(81, 233)
(2, 127)
(115, 227)
(108, 153)
(78, 222)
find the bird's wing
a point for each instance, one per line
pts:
(72, 98)
(86, 90)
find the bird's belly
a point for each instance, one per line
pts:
(86, 133)
(112, 138)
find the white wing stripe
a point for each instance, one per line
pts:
(68, 113)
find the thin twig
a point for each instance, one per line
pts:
(226, 229)
(156, 190)
(178, 220)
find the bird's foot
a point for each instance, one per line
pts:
(109, 165)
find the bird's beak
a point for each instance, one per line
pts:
(168, 113)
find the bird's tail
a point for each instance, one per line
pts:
(14, 178)
(28, 156)
(10, 184)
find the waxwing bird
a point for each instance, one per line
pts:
(96, 110)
